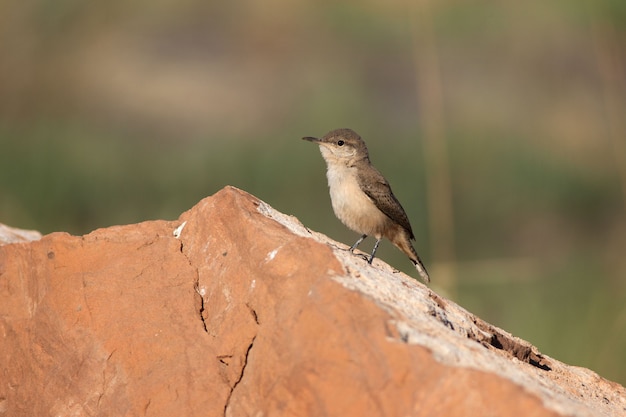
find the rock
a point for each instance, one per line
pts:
(238, 310)
(13, 235)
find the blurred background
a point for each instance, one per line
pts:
(500, 125)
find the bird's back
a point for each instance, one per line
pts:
(376, 187)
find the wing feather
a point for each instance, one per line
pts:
(379, 191)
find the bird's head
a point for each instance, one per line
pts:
(341, 146)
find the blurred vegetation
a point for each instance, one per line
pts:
(117, 112)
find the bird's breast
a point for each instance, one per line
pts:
(351, 205)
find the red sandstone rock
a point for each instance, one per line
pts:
(238, 310)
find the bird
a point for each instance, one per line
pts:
(361, 197)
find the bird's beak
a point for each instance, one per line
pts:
(312, 139)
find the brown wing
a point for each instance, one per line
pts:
(377, 188)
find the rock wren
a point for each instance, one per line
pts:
(362, 198)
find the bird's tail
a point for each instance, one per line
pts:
(402, 242)
(421, 269)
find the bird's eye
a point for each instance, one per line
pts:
(340, 142)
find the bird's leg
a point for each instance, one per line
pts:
(374, 250)
(353, 247)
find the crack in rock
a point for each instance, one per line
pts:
(523, 351)
(254, 313)
(243, 370)
(196, 286)
(200, 292)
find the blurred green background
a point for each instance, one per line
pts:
(500, 125)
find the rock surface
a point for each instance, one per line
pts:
(13, 235)
(236, 309)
